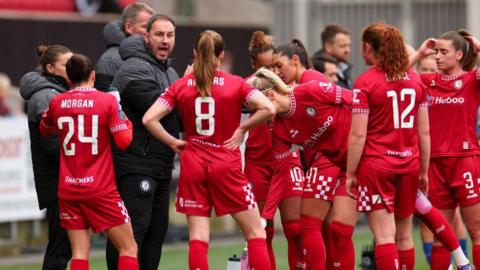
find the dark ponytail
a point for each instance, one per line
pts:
(49, 54)
(79, 68)
(295, 47)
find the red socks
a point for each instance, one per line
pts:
(329, 246)
(312, 242)
(476, 255)
(198, 255)
(437, 223)
(344, 251)
(386, 256)
(127, 263)
(407, 259)
(292, 232)
(270, 230)
(258, 258)
(78, 264)
(440, 259)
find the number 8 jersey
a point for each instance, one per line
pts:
(209, 121)
(84, 119)
(392, 107)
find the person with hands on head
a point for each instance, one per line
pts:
(209, 102)
(86, 120)
(454, 166)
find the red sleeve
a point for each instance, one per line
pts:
(168, 98)
(360, 98)
(120, 126)
(247, 91)
(47, 124)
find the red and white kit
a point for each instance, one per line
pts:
(85, 119)
(210, 174)
(319, 120)
(454, 165)
(390, 159)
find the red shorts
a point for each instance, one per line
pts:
(102, 213)
(260, 176)
(205, 184)
(395, 192)
(454, 181)
(322, 180)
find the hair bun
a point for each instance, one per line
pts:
(41, 49)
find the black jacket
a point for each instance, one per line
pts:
(343, 71)
(110, 61)
(38, 90)
(140, 80)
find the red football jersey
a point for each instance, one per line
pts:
(312, 75)
(209, 121)
(84, 119)
(392, 107)
(452, 107)
(319, 119)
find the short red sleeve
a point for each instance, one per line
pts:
(360, 98)
(168, 98)
(117, 117)
(247, 91)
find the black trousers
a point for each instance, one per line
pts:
(58, 251)
(146, 200)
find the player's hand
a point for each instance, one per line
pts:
(428, 47)
(178, 146)
(351, 186)
(236, 139)
(474, 43)
(423, 184)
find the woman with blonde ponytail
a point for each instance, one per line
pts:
(259, 167)
(210, 103)
(315, 115)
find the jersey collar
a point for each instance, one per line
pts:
(293, 105)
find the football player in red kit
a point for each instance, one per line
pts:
(323, 188)
(259, 167)
(315, 115)
(210, 102)
(389, 139)
(85, 119)
(454, 166)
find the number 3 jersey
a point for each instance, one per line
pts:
(209, 121)
(84, 119)
(452, 107)
(392, 107)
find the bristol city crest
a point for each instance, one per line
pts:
(311, 112)
(458, 84)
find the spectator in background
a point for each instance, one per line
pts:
(144, 170)
(134, 21)
(38, 88)
(326, 65)
(336, 43)
(5, 86)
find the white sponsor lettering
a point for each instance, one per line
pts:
(320, 131)
(406, 153)
(448, 100)
(76, 103)
(82, 180)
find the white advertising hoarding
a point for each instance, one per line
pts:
(18, 200)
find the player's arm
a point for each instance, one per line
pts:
(423, 131)
(356, 142)
(427, 48)
(46, 126)
(151, 120)
(123, 137)
(264, 111)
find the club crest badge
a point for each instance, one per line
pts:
(145, 185)
(311, 112)
(458, 84)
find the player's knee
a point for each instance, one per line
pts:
(129, 248)
(255, 232)
(404, 240)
